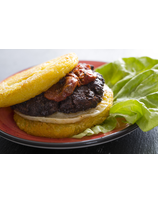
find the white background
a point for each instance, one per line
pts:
(13, 60)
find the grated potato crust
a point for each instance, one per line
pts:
(31, 82)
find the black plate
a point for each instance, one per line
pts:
(64, 144)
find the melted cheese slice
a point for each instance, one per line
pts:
(63, 118)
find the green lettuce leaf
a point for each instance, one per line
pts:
(119, 72)
(108, 125)
(134, 82)
(136, 91)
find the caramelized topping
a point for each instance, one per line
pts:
(80, 75)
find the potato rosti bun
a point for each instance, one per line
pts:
(31, 82)
(56, 130)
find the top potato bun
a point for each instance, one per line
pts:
(31, 82)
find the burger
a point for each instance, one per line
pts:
(59, 98)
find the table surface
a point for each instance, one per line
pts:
(136, 142)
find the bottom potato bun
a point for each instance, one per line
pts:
(63, 130)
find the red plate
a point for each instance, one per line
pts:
(10, 131)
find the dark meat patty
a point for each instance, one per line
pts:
(83, 98)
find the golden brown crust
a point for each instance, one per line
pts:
(63, 130)
(31, 82)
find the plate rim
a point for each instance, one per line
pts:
(70, 145)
